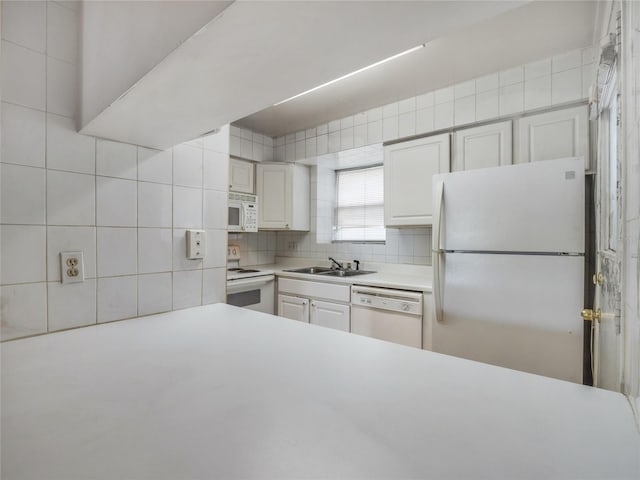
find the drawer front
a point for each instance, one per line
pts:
(328, 291)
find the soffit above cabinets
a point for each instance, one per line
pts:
(255, 54)
(528, 33)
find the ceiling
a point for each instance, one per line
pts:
(257, 53)
(529, 32)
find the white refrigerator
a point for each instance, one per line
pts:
(508, 263)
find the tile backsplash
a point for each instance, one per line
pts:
(125, 207)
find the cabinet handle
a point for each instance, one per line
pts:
(286, 225)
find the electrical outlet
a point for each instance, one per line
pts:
(72, 267)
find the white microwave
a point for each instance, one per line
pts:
(243, 213)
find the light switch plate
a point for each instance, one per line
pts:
(195, 244)
(72, 267)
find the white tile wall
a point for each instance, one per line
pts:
(22, 73)
(72, 305)
(154, 293)
(67, 150)
(116, 203)
(117, 298)
(22, 196)
(24, 23)
(23, 135)
(115, 159)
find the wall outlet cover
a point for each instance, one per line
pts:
(72, 267)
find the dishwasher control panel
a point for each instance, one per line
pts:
(394, 300)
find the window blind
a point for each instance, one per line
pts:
(359, 213)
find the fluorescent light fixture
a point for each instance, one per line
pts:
(397, 55)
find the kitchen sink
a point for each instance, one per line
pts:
(310, 270)
(329, 272)
(345, 273)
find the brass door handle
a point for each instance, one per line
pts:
(589, 315)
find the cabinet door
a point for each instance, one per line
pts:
(482, 147)
(408, 168)
(332, 315)
(241, 176)
(274, 196)
(558, 134)
(295, 308)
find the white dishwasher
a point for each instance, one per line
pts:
(391, 315)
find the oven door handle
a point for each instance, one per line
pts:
(248, 283)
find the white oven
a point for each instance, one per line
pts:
(243, 213)
(253, 290)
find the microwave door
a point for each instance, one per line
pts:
(235, 217)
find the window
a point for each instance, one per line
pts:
(359, 213)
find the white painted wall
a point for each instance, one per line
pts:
(126, 207)
(123, 41)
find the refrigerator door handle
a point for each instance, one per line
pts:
(437, 251)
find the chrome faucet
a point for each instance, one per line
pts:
(338, 264)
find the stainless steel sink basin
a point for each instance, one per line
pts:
(329, 272)
(345, 273)
(310, 270)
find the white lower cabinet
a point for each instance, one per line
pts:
(332, 315)
(320, 303)
(295, 308)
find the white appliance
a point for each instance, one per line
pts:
(508, 263)
(391, 315)
(243, 213)
(252, 289)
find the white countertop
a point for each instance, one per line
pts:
(388, 279)
(222, 392)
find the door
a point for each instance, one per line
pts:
(295, 308)
(482, 147)
(331, 315)
(535, 207)
(274, 196)
(514, 311)
(408, 169)
(241, 178)
(607, 355)
(557, 134)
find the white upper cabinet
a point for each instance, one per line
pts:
(557, 134)
(408, 168)
(241, 176)
(482, 147)
(283, 196)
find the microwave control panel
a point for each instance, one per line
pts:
(251, 217)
